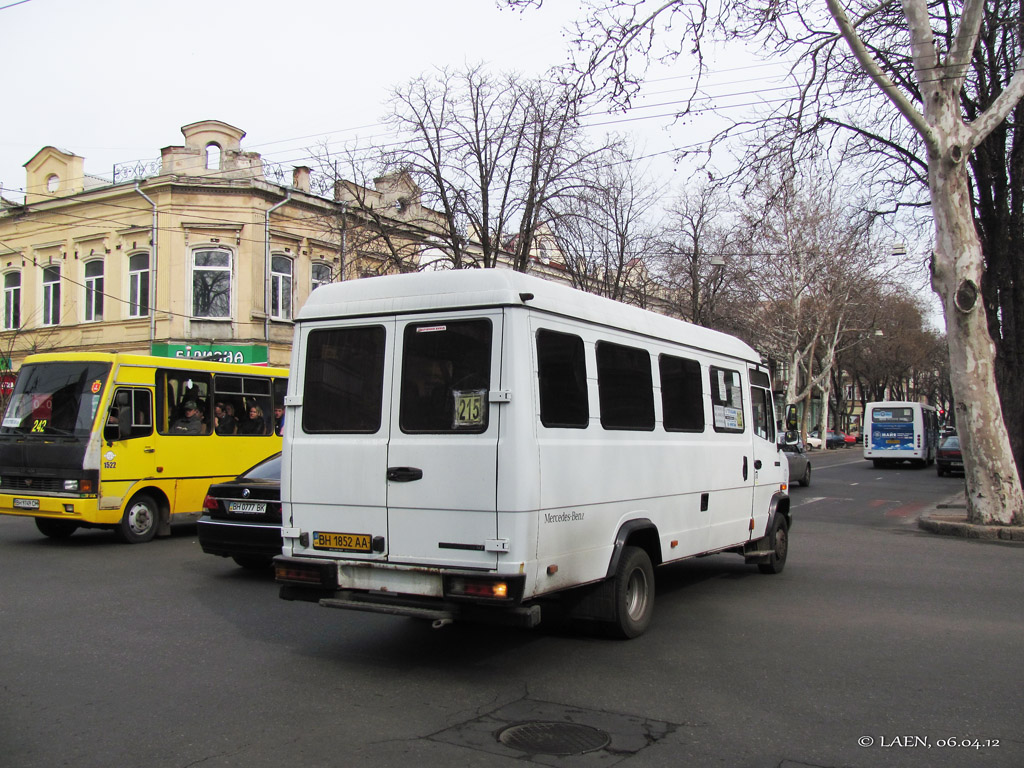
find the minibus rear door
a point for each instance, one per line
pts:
(443, 448)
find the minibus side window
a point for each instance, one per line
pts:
(562, 376)
(243, 406)
(344, 380)
(682, 400)
(761, 412)
(176, 390)
(727, 400)
(625, 388)
(131, 415)
(761, 404)
(446, 374)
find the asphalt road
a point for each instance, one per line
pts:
(877, 646)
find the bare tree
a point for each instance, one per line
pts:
(378, 220)
(491, 153)
(606, 233)
(699, 235)
(811, 260)
(923, 77)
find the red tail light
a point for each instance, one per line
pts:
(210, 503)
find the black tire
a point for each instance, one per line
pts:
(140, 521)
(634, 594)
(778, 540)
(55, 529)
(254, 562)
(806, 479)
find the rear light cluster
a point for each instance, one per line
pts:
(483, 588)
(210, 503)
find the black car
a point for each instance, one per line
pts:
(242, 518)
(949, 459)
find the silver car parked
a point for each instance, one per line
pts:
(799, 464)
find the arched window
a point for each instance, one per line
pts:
(51, 295)
(281, 288)
(93, 291)
(321, 275)
(12, 301)
(138, 285)
(211, 283)
(213, 156)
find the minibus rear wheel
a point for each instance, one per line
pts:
(141, 517)
(634, 594)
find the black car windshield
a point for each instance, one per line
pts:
(268, 469)
(58, 399)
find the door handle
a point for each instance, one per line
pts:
(757, 463)
(404, 474)
(149, 450)
(744, 467)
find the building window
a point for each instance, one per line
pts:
(281, 287)
(12, 301)
(213, 157)
(138, 285)
(211, 283)
(321, 275)
(51, 295)
(93, 291)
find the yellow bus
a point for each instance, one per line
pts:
(131, 442)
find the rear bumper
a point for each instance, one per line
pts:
(227, 539)
(317, 581)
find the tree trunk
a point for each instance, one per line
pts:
(994, 496)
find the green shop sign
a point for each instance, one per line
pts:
(248, 354)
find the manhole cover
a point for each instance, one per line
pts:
(546, 738)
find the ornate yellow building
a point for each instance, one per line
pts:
(197, 255)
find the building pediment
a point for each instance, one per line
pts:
(53, 173)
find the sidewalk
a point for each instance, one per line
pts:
(949, 518)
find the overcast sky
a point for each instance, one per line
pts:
(114, 80)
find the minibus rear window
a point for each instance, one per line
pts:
(446, 376)
(344, 380)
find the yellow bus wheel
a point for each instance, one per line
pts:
(140, 521)
(55, 529)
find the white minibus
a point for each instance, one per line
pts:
(900, 430)
(479, 444)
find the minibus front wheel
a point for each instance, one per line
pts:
(56, 529)
(140, 520)
(634, 593)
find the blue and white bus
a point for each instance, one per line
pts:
(900, 430)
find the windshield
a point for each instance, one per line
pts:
(893, 415)
(56, 399)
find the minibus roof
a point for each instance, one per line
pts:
(477, 288)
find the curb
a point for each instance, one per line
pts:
(947, 520)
